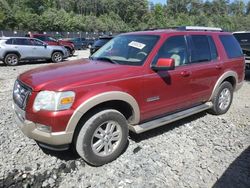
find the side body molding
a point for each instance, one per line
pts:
(100, 98)
(222, 78)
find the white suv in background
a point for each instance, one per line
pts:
(15, 49)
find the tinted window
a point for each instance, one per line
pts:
(36, 42)
(175, 48)
(213, 49)
(242, 37)
(20, 41)
(9, 41)
(200, 49)
(231, 46)
(101, 42)
(42, 38)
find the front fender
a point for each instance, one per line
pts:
(100, 98)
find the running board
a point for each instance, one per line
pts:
(169, 119)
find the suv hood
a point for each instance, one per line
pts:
(71, 74)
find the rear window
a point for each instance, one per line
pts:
(231, 46)
(242, 37)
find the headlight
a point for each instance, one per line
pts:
(53, 101)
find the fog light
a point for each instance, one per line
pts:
(43, 128)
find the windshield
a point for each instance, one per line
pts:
(127, 49)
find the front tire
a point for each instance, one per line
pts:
(11, 59)
(102, 138)
(57, 57)
(222, 99)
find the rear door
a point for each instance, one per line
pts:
(24, 47)
(205, 67)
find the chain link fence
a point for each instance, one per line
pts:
(57, 35)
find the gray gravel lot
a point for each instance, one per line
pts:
(199, 151)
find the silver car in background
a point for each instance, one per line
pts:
(16, 49)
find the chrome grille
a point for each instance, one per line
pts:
(21, 94)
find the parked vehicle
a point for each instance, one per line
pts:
(90, 42)
(244, 39)
(138, 81)
(99, 43)
(52, 41)
(15, 49)
(79, 43)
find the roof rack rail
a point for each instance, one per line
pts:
(198, 28)
(159, 28)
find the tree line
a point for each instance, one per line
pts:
(121, 15)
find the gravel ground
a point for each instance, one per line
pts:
(199, 151)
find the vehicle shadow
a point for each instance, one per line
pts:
(66, 155)
(165, 128)
(237, 174)
(69, 154)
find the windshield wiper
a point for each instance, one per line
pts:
(106, 59)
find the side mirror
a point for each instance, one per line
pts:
(164, 64)
(45, 45)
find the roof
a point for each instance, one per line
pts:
(236, 32)
(182, 29)
(6, 38)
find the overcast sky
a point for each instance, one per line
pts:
(164, 1)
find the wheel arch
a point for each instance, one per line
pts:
(229, 76)
(12, 52)
(121, 101)
(56, 51)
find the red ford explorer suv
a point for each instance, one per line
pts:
(137, 81)
(51, 41)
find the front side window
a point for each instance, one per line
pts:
(127, 49)
(36, 42)
(199, 48)
(231, 46)
(175, 48)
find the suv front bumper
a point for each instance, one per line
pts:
(30, 129)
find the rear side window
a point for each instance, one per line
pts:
(231, 46)
(200, 48)
(213, 49)
(20, 41)
(9, 41)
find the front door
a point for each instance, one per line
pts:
(168, 91)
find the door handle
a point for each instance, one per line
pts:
(185, 73)
(218, 67)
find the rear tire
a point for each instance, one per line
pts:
(11, 59)
(102, 138)
(222, 99)
(57, 57)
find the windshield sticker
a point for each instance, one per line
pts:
(137, 45)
